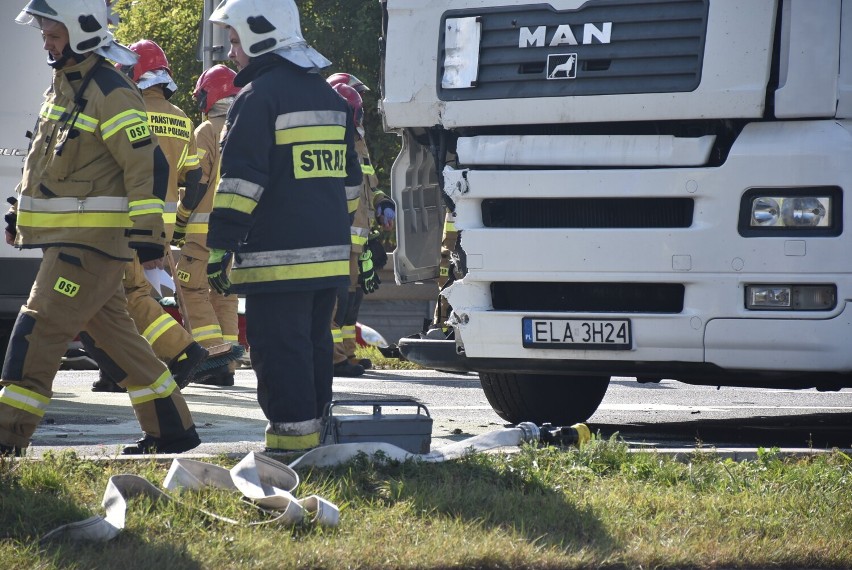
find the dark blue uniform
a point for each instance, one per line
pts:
(288, 161)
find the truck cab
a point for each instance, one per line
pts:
(647, 189)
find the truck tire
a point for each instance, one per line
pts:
(543, 398)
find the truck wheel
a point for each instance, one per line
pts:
(544, 398)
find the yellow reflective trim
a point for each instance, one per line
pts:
(169, 217)
(25, 400)
(160, 325)
(196, 228)
(449, 227)
(336, 336)
(73, 220)
(150, 206)
(288, 272)
(310, 134)
(182, 159)
(234, 202)
(162, 388)
(208, 332)
(352, 205)
(319, 161)
(232, 338)
(358, 240)
(292, 442)
(123, 120)
(368, 169)
(82, 121)
(348, 331)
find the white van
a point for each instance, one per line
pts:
(25, 75)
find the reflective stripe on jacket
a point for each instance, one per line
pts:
(94, 176)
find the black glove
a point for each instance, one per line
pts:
(181, 220)
(148, 252)
(368, 279)
(11, 217)
(377, 249)
(217, 270)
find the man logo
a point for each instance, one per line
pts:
(562, 66)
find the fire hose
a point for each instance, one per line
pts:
(270, 484)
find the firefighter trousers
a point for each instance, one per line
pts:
(80, 290)
(213, 316)
(291, 352)
(165, 335)
(346, 314)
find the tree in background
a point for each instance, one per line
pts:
(175, 26)
(345, 31)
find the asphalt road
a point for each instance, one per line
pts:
(668, 414)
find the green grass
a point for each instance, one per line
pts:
(382, 363)
(600, 506)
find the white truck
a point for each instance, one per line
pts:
(643, 188)
(25, 75)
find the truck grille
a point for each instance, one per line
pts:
(588, 213)
(588, 297)
(655, 46)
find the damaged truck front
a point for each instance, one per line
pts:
(643, 188)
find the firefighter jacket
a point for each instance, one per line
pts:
(288, 168)
(368, 198)
(207, 136)
(175, 134)
(94, 176)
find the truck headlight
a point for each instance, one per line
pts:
(814, 211)
(776, 297)
(800, 211)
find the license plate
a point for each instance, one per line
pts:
(596, 334)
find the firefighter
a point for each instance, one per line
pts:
(288, 166)
(363, 267)
(91, 198)
(174, 131)
(439, 329)
(213, 315)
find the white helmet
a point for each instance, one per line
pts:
(269, 26)
(86, 21)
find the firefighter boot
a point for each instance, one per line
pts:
(348, 370)
(183, 367)
(106, 384)
(178, 444)
(365, 363)
(219, 376)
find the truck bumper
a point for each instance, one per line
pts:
(736, 352)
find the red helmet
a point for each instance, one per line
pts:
(353, 99)
(347, 79)
(151, 58)
(214, 84)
